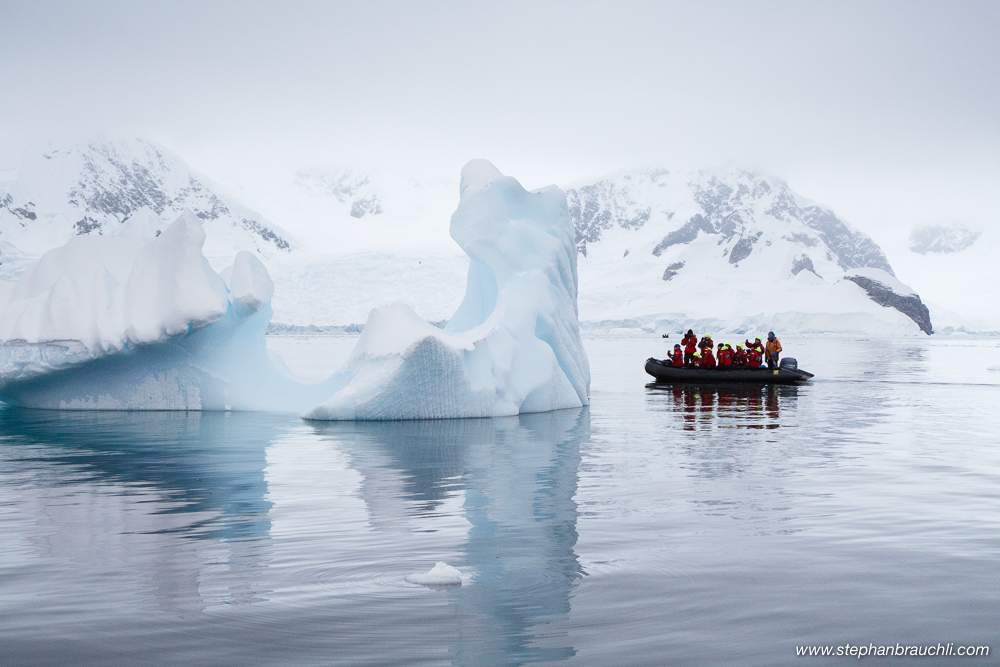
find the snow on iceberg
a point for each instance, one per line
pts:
(513, 345)
(125, 323)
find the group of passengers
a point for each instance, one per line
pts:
(700, 354)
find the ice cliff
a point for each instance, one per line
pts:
(117, 323)
(513, 346)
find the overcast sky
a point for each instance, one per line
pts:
(888, 111)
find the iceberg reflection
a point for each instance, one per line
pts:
(518, 478)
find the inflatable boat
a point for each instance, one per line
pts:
(787, 372)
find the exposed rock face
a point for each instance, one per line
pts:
(910, 304)
(672, 270)
(356, 190)
(743, 247)
(600, 206)
(737, 206)
(92, 188)
(943, 239)
(803, 263)
(685, 234)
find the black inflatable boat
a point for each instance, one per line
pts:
(787, 373)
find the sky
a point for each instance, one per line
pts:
(887, 111)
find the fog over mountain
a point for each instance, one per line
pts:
(727, 249)
(339, 129)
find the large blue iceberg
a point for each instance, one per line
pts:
(146, 324)
(131, 324)
(514, 344)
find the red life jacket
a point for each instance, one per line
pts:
(707, 360)
(690, 344)
(741, 357)
(755, 357)
(725, 357)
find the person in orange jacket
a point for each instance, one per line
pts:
(707, 359)
(772, 350)
(690, 343)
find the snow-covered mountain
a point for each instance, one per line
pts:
(722, 249)
(733, 250)
(113, 187)
(957, 272)
(942, 238)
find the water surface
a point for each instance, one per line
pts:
(662, 525)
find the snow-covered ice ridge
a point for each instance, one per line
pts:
(513, 345)
(99, 187)
(732, 248)
(116, 323)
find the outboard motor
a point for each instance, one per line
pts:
(789, 363)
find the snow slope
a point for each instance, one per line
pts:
(98, 187)
(717, 249)
(957, 274)
(723, 250)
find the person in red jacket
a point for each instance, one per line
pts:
(707, 360)
(725, 356)
(690, 343)
(740, 358)
(676, 357)
(756, 345)
(754, 357)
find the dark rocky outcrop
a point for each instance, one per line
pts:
(853, 250)
(86, 226)
(111, 180)
(672, 270)
(743, 248)
(910, 305)
(601, 206)
(685, 234)
(803, 263)
(365, 205)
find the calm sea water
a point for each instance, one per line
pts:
(679, 525)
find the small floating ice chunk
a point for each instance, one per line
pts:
(441, 574)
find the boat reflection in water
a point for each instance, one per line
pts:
(711, 406)
(516, 479)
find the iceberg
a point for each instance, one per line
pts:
(513, 346)
(126, 323)
(143, 322)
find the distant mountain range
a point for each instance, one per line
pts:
(719, 250)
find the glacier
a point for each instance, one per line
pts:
(121, 323)
(513, 346)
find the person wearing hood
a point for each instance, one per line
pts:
(707, 358)
(690, 343)
(725, 356)
(772, 350)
